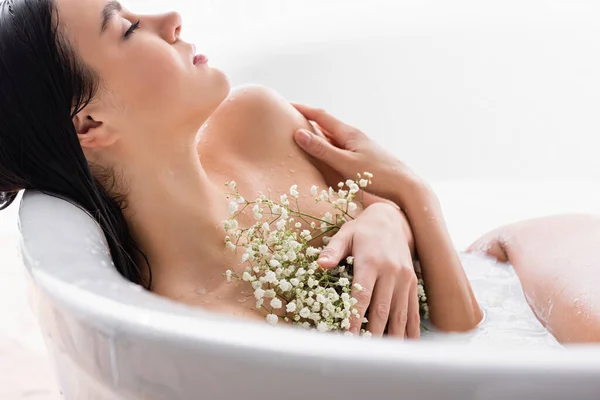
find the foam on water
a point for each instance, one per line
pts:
(509, 320)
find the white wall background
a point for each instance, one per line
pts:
(461, 90)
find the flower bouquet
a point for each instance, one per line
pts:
(281, 250)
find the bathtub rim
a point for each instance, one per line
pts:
(188, 326)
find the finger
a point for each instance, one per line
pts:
(413, 324)
(379, 309)
(338, 247)
(336, 128)
(367, 281)
(321, 149)
(399, 311)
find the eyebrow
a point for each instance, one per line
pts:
(109, 10)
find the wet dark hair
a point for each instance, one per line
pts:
(43, 85)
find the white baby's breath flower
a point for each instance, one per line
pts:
(284, 199)
(284, 285)
(352, 206)
(231, 246)
(247, 277)
(245, 257)
(263, 249)
(232, 185)
(294, 191)
(312, 252)
(358, 287)
(298, 225)
(291, 255)
(233, 207)
(276, 303)
(265, 227)
(270, 293)
(324, 196)
(240, 200)
(345, 324)
(281, 224)
(259, 303)
(272, 319)
(350, 260)
(290, 307)
(322, 327)
(305, 312)
(228, 274)
(295, 281)
(259, 293)
(341, 202)
(367, 334)
(363, 183)
(344, 282)
(270, 277)
(326, 240)
(256, 284)
(300, 272)
(314, 191)
(274, 263)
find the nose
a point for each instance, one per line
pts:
(170, 26)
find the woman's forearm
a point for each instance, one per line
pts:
(452, 304)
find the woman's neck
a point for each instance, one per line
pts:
(176, 213)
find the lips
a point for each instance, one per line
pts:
(200, 59)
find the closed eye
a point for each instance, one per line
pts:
(131, 30)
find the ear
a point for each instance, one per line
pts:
(92, 133)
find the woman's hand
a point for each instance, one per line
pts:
(349, 151)
(452, 304)
(383, 267)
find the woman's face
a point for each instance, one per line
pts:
(148, 79)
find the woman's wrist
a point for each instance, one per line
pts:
(411, 192)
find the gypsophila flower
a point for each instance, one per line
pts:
(294, 191)
(281, 255)
(272, 319)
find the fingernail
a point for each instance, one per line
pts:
(303, 137)
(323, 259)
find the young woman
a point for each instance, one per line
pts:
(113, 111)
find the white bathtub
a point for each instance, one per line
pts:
(496, 104)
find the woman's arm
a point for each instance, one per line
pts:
(558, 262)
(452, 304)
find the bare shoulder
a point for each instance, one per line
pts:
(256, 112)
